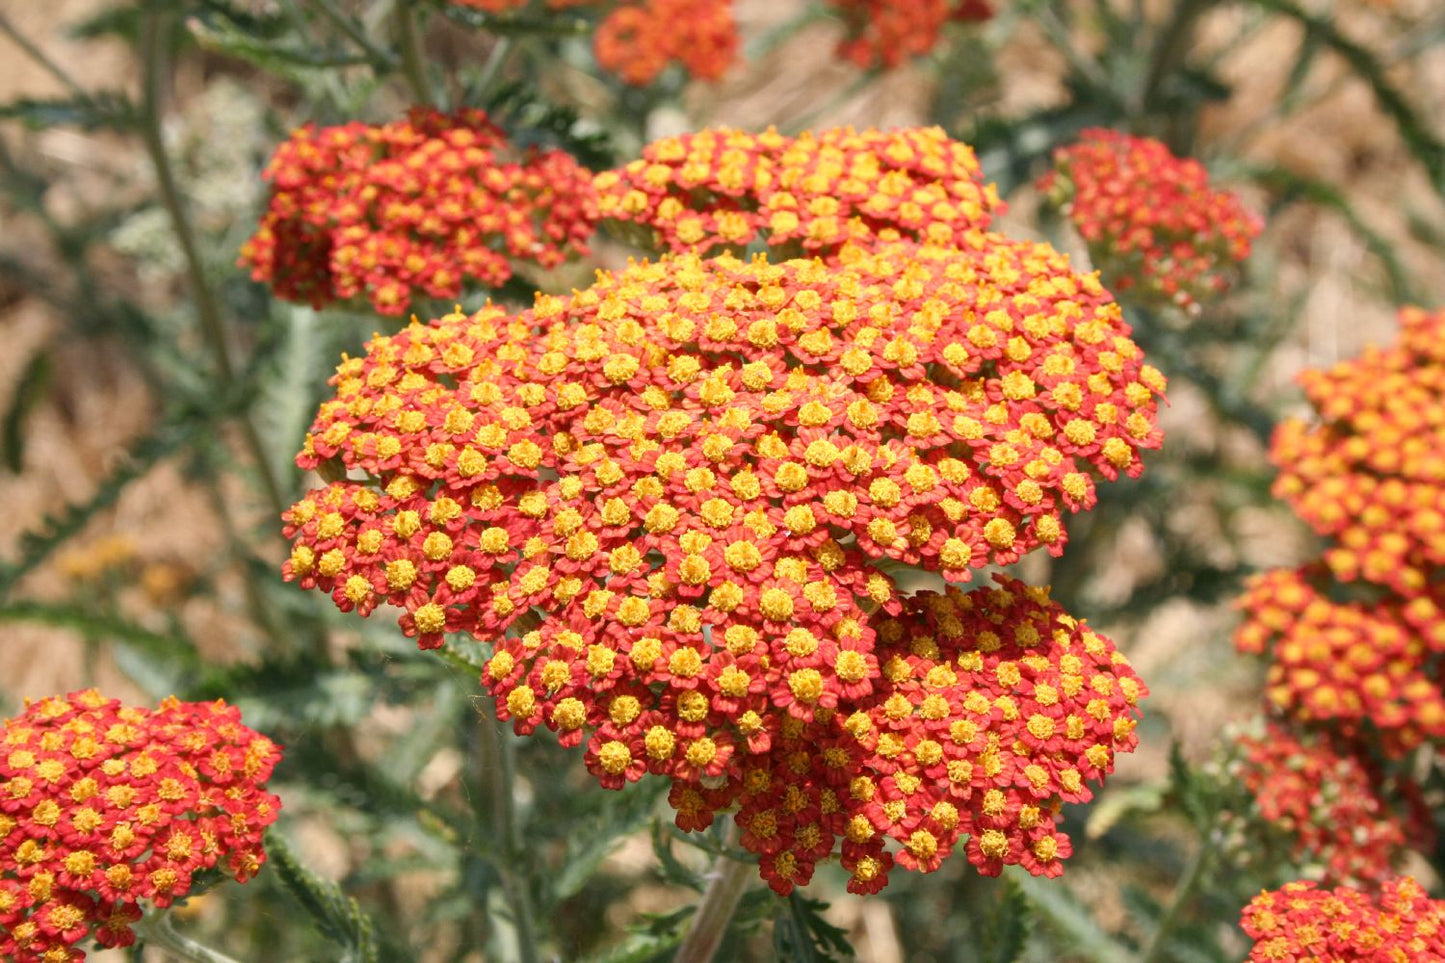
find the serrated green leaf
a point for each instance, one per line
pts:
(1061, 912)
(217, 34)
(33, 382)
(1186, 788)
(1414, 128)
(108, 110)
(337, 915)
(1004, 934)
(802, 935)
(613, 816)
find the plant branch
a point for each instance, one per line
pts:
(498, 775)
(381, 57)
(42, 58)
(154, 31)
(1194, 876)
(729, 878)
(413, 66)
(157, 929)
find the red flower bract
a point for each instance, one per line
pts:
(671, 487)
(812, 193)
(1300, 922)
(104, 805)
(415, 207)
(1154, 226)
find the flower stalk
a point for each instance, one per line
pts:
(156, 929)
(728, 879)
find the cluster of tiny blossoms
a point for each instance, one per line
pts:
(1153, 224)
(812, 193)
(672, 486)
(1371, 475)
(1356, 667)
(103, 805)
(1300, 922)
(884, 33)
(638, 40)
(419, 206)
(1354, 639)
(1329, 802)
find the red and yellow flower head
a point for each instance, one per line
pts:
(814, 193)
(1299, 921)
(664, 500)
(103, 805)
(1154, 226)
(417, 207)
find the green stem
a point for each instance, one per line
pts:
(1172, 47)
(413, 66)
(156, 929)
(382, 58)
(497, 772)
(1194, 876)
(155, 29)
(41, 58)
(730, 877)
(495, 58)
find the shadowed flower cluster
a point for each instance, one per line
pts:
(1301, 922)
(812, 194)
(638, 40)
(417, 207)
(1154, 226)
(664, 498)
(884, 33)
(1334, 806)
(103, 805)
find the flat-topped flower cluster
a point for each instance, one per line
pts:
(811, 194)
(664, 500)
(104, 805)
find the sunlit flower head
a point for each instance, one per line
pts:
(814, 193)
(1370, 475)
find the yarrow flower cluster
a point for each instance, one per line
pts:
(1154, 226)
(1357, 667)
(1331, 803)
(884, 33)
(1371, 475)
(416, 207)
(103, 805)
(671, 488)
(638, 40)
(1354, 640)
(811, 194)
(1300, 922)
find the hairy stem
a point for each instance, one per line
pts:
(497, 772)
(728, 879)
